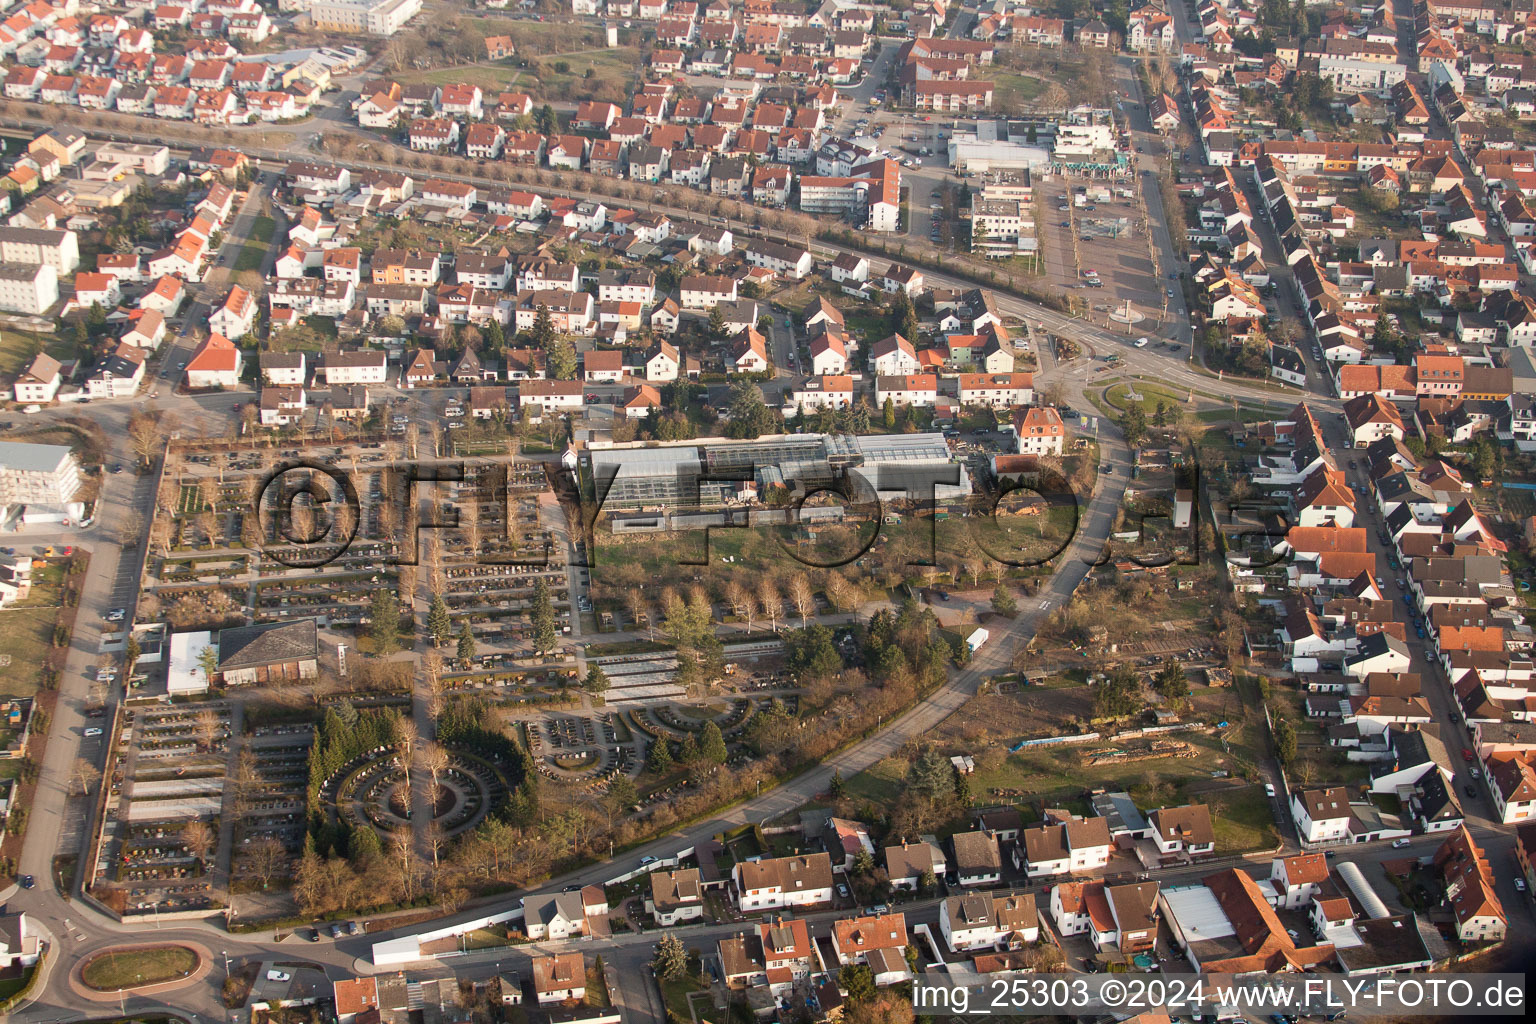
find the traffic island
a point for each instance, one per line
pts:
(141, 970)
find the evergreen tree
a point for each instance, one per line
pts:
(548, 122)
(1285, 741)
(750, 415)
(659, 758)
(596, 682)
(1171, 682)
(439, 625)
(836, 789)
(542, 333)
(545, 636)
(712, 744)
(962, 784)
(560, 359)
(888, 413)
(384, 622)
(858, 980)
(1119, 695)
(688, 752)
(717, 325)
(1003, 601)
(495, 339)
(931, 775)
(671, 960)
(466, 651)
(903, 316)
(1133, 424)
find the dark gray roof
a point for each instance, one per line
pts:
(270, 643)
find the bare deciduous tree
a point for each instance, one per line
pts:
(206, 723)
(198, 838)
(801, 594)
(265, 858)
(85, 775)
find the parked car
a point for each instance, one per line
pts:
(1466, 755)
(1269, 789)
(842, 890)
(1519, 884)
(27, 881)
(93, 731)
(1469, 790)
(647, 860)
(1398, 844)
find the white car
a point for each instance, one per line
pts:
(93, 731)
(1141, 342)
(1269, 789)
(1398, 844)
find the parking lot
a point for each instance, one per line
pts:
(1093, 240)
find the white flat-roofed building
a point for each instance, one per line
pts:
(44, 474)
(184, 674)
(30, 288)
(145, 159)
(373, 17)
(998, 223)
(1350, 74)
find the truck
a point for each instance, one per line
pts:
(976, 639)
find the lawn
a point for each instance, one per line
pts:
(17, 350)
(589, 74)
(676, 993)
(132, 968)
(597, 988)
(497, 77)
(26, 637)
(1150, 394)
(10, 986)
(1242, 820)
(1011, 91)
(255, 250)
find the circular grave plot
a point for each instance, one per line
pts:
(377, 793)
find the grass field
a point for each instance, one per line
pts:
(132, 968)
(17, 349)
(498, 77)
(1011, 91)
(10, 986)
(255, 249)
(26, 635)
